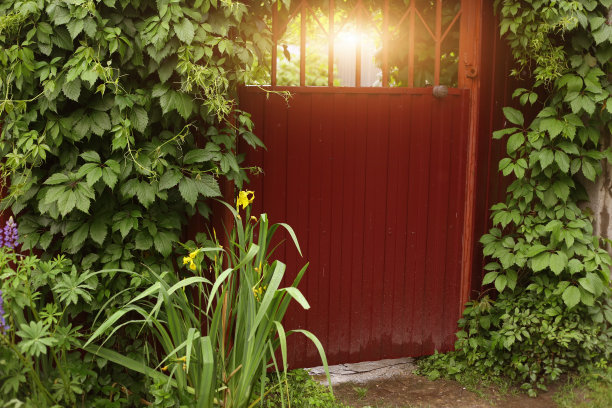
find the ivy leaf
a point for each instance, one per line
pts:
(500, 283)
(184, 31)
(166, 69)
(575, 266)
(98, 230)
(252, 140)
(45, 240)
(109, 177)
(602, 34)
(514, 116)
(80, 235)
(197, 156)
(540, 262)
(100, 123)
(57, 178)
(514, 142)
(183, 104)
(146, 193)
(547, 156)
(169, 179)
(139, 119)
(489, 277)
(189, 190)
(553, 126)
(90, 156)
(163, 242)
(67, 203)
(82, 201)
(143, 241)
(571, 296)
(72, 89)
(561, 190)
(562, 160)
(588, 170)
(558, 262)
(75, 26)
(535, 250)
(208, 186)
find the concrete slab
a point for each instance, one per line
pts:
(363, 372)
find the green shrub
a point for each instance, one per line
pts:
(41, 361)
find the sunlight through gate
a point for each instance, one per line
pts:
(372, 170)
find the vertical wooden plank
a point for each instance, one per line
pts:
(436, 225)
(356, 122)
(321, 158)
(298, 176)
(377, 136)
(417, 205)
(345, 113)
(339, 297)
(470, 53)
(458, 116)
(392, 300)
(314, 226)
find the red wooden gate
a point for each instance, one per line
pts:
(373, 180)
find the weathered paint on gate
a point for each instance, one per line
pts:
(373, 182)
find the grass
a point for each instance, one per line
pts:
(589, 390)
(361, 392)
(304, 392)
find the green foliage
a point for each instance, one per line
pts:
(116, 120)
(217, 337)
(303, 391)
(117, 124)
(592, 389)
(550, 273)
(40, 356)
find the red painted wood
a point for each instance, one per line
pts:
(298, 191)
(373, 184)
(356, 110)
(339, 276)
(399, 155)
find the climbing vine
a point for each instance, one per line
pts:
(550, 275)
(117, 119)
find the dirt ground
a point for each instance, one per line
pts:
(412, 391)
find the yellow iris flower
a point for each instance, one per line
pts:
(244, 199)
(189, 259)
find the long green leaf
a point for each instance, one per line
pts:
(319, 347)
(297, 295)
(277, 277)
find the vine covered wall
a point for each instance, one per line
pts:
(116, 119)
(545, 308)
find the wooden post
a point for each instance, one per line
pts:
(470, 51)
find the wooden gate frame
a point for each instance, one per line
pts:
(470, 61)
(469, 65)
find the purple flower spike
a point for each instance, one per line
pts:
(3, 325)
(10, 234)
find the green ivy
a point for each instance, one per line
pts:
(118, 119)
(550, 275)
